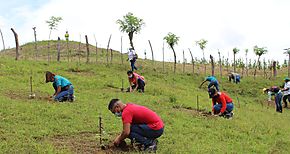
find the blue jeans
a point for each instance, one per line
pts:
(214, 83)
(133, 64)
(278, 102)
(143, 134)
(63, 95)
(229, 108)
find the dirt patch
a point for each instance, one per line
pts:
(87, 142)
(193, 111)
(20, 95)
(80, 71)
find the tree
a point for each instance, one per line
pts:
(131, 24)
(52, 25)
(202, 43)
(172, 40)
(288, 52)
(259, 52)
(235, 51)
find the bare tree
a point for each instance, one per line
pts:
(151, 50)
(220, 63)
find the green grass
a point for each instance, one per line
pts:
(30, 125)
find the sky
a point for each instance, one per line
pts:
(226, 24)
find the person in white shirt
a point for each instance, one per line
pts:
(132, 58)
(286, 92)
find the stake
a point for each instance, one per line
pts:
(100, 128)
(30, 84)
(197, 103)
(238, 102)
(122, 89)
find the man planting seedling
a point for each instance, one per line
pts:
(222, 104)
(140, 124)
(137, 82)
(212, 82)
(64, 90)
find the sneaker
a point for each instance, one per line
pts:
(152, 147)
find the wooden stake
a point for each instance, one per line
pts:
(122, 85)
(17, 43)
(88, 50)
(197, 102)
(239, 105)
(108, 49)
(122, 49)
(2, 39)
(58, 49)
(100, 129)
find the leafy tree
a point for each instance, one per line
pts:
(202, 43)
(130, 24)
(53, 23)
(259, 52)
(172, 40)
(235, 51)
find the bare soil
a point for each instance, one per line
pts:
(193, 111)
(86, 142)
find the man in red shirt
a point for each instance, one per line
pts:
(140, 124)
(222, 104)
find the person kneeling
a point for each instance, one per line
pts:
(64, 90)
(222, 104)
(137, 82)
(140, 124)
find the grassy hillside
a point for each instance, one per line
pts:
(42, 126)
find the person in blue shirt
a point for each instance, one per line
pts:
(212, 82)
(64, 90)
(235, 77)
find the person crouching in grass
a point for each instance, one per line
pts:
(222, 104)
(136, 81)
(140, 124)
(64, 90)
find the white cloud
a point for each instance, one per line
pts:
(225, 24)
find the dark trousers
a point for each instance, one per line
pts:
(285, 97)
(141, 86)
(133, 64)
(143, 134)
(278, 102)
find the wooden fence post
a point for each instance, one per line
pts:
(58, 49)
(192, 61)
(108, 49)
(17, 43)
(35, 43)
(151, 50)
(212, 65)
(96, 48)
(122, 50)
(88, 50)
(2, 39)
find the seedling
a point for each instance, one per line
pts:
(122, 89)
(32, 95)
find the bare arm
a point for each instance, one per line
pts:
(125, 133)
(57, 91)
(202, 83)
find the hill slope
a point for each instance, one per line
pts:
(41, 126)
